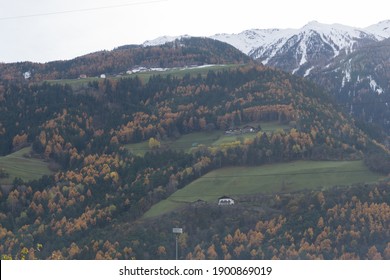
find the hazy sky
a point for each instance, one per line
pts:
(45, 30)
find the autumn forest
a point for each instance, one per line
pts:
(91, 201)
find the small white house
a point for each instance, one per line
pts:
(102, 76)
(225, 200)
(27, 75)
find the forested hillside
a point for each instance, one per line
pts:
(98, 181)
(180, 53)
(360, 82)
(341, 223)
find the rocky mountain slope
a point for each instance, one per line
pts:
(360, 82)
(300, 50)
(351, 63)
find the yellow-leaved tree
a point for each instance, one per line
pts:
(154, 143)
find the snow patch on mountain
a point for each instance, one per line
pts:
(374, 86)
(303, 52)
(307, 72)
(347, 74)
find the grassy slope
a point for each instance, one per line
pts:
(283, 177)
(16, 165)
(185, 142)
(213, 138)
(145, 76)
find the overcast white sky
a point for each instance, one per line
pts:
(45, 30)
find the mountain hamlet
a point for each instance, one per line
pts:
(267, 144)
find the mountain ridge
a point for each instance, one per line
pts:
(186, 51)
(267, 45)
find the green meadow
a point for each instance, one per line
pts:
(17, 165)
(146, 75)
(266, 179)
(185, 142)
(207, 138)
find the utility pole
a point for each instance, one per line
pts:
(177, 232)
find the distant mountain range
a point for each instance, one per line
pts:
(298, 50)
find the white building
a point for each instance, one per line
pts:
(225, 200)
(27, 75)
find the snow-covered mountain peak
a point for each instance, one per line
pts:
(299, 50)
(249, 40)
(163, 40)
(381, 29)
(334, 31)
(314, 25)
